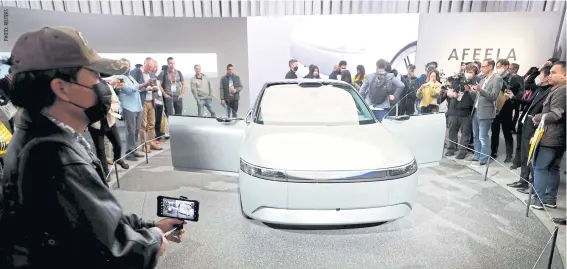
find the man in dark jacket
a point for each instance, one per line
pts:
(548, 157)
(531, 107)
(336, 74)
(408, 97)
(460, 104)
(230, 87)
(505, 109)
(291, 74)
(54, 194)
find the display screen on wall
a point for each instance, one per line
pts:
(324, 41)
(184, 62)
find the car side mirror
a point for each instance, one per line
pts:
(248, 117)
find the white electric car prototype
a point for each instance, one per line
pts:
(310, 152)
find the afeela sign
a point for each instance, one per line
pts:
(481, 54)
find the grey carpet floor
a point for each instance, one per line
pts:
(460, 221)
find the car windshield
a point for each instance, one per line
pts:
(314, 104)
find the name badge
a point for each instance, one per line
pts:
(173, 88)
(460, 96)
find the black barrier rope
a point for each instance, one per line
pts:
(553, 238)
(115, 163)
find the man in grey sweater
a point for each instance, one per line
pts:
(202, 91)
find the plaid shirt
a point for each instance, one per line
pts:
(81, 139)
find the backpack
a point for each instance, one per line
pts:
(380, 87)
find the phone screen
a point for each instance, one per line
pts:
(170, 207)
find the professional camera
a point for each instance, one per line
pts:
(153, 82)
(458, 82)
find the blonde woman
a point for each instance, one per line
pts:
(428, 93)
(107, 128)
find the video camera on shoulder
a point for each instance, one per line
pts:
(458, 82)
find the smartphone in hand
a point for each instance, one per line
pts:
(178, 208)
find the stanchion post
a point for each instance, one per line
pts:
(552, 250)
(146, 151)
(529, 202)
(117, 178)
(486, 171)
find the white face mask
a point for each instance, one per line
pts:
(315, 73)
(537, 81)
(500, 71)
(468, 76)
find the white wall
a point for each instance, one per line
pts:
(532, 36)
(324, 41)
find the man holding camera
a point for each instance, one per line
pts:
(56, 209)
(147, 97)
(484, 111)
(460, 104)
(504, 110)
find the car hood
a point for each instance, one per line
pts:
(323, 148)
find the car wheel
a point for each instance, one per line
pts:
(241, 209)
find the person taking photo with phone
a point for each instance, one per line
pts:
(56, 210)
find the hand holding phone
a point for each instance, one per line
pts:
(163, 241)
(178, 209)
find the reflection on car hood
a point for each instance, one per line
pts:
(323, 148)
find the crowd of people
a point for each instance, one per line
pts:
(143, 97)
(483, 100)
(61, 87)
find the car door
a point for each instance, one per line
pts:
(423, 134)
(206, 138)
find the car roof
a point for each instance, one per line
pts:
(322, 82)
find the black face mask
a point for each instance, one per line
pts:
(100, 109)
(295, 68)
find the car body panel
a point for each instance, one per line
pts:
(324, 148)
(205, 144)
(424, 135)
(326, 204)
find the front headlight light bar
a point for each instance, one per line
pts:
(328, 176)
(262, 172)
(403, 171)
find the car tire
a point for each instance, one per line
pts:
(241, 209)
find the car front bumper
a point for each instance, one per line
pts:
(295, 203)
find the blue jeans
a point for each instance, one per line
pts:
(481, 139)
(380, 114)
(546, 173)
(205, 103)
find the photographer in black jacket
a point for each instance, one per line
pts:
(407, 102)
(504, 109)
(56, 209)
(460, 104)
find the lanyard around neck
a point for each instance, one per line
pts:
(174, 80)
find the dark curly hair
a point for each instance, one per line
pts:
(32, 90)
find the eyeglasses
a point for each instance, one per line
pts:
(483, 66)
